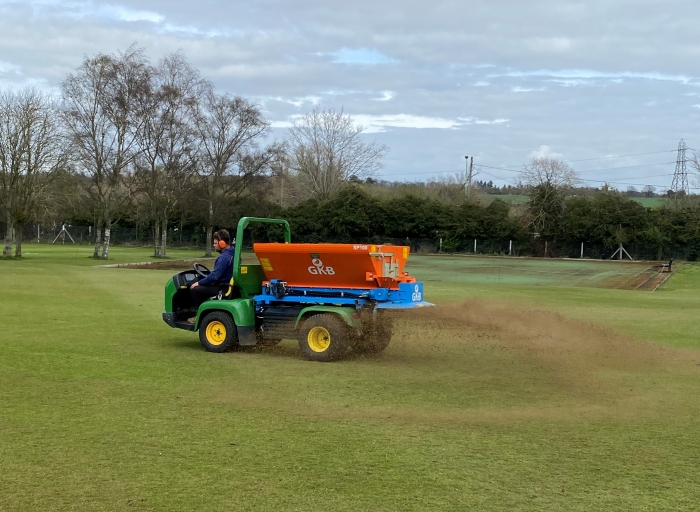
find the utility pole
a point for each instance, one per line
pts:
(470, 168)
(282, 190)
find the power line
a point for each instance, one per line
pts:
(589, 170)
(602, 181)
(480, 166)
(620, 156)
(627, 183)
(604, 157)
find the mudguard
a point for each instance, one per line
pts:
(345, 313)
(242, 310)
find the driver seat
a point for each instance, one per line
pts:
(227, 291)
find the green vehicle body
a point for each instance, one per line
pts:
(248, 280)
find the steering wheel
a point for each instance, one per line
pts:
(201, 270)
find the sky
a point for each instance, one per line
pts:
(610, 86)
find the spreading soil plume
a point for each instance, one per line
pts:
(483, 362)
(576, 345)
(538, 360)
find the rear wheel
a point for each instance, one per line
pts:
(217, 332)
(375, 335)
(324, 337)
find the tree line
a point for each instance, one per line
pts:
(128, 140)
(131, 143)
(602, 222)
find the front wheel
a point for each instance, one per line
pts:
(323, 337)
(217, 332)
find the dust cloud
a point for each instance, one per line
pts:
(534, 363)
(533, 333)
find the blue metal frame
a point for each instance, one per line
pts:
(409, 295)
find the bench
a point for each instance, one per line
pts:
(666, 267)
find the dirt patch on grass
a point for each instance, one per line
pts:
(179, 265)
(647, 279)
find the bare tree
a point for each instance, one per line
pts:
(649, 190)
(104, 109)
(548, 179)
(31, 156)
(228, 129)
(167, 143)
(550, 171)
(327, 150)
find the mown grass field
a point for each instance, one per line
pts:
(649, 202)
(512, 395)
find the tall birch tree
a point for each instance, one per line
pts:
(228, 128)
(104, 110)
(168, 144)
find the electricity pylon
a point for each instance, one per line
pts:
(680, 186)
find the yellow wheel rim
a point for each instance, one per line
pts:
(319, 339)
(216, 333)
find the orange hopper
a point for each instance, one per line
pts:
(335, 265)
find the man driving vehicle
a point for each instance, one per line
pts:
(223, 270)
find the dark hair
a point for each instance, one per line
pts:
(222, 234)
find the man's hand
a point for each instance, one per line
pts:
(194, 285)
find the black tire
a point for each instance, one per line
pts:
(217, 332)
(375, 335)
(324, 337)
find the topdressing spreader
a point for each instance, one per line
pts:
(329, 297)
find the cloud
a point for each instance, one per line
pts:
(12, 77)
(121, 13)
(284, 123)
(414, 75)
(189, 30)
(359, 56)
(526, 89)
(381, 123)
(593, 74)
(386, 96)
(8, 67)
(550, 44)
(80, 10)
(545, 152)
(572, 82)
(297, 102)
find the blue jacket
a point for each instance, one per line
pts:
(223, 268)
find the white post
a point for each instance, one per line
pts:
(440, 244)
(510, 248)
(38, 233)
(581, 249)
(475, 246)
